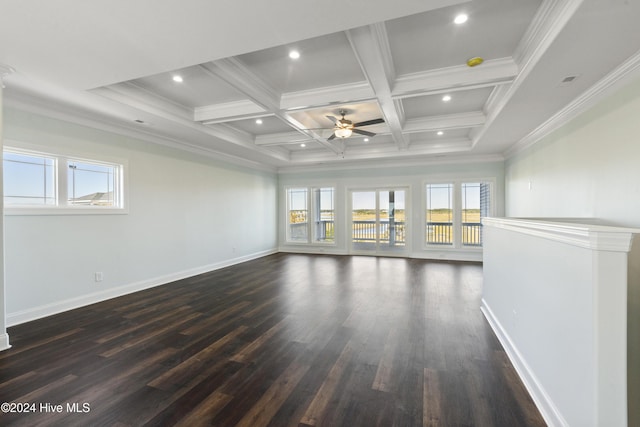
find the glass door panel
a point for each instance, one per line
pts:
(364, 220)
(378, 221)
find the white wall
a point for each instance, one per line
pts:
(187, 214)
(555, 294)
(590, 168)
(4, 338)
(414, 177)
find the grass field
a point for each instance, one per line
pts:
(434, 215)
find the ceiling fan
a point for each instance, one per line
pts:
(344, 128)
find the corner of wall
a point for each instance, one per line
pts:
(633, 332)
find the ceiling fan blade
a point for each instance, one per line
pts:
(363, 132)
(333, 119)
(331, 137)
(369, 122)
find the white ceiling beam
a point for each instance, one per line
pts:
(128, 94)
(550, 20)
(449, 121)
(235, 110)
(370, 152)
(259, 92)
(371, 47)
(304, 99)
(459, 77)
(282, 138)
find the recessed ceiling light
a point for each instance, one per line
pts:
(178, 79)
(294, 54)
(461, 19)
(366, 140)
(446, 98)
(258, 121)
(440, 133)
(303, 145)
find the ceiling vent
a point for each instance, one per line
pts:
(568, 80)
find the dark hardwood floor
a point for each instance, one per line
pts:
(285, 340)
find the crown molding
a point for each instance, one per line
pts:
(401, 163)
(550, 20)
(613, 81)
(5, 70)
(82, 118)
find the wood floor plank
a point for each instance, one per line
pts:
(384, 378)
(313, 414)
(202, 414)
(262, 412)
(431, 400)
(195, 362)
(246, 352)
(283, 340)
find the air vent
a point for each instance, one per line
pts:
(568, 80)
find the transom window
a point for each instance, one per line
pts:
(37, 181)
(92, 184)
(29, 180)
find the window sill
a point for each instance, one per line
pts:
(22, 211)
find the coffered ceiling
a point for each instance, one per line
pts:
(241, 95)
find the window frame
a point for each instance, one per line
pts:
(457, 244)
(311, 207)
(61, 168)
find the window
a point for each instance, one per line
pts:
(91, 184)
(439, 214)
(297, 213)
(475, 206)
(310, 215)
(454, 213)
(29, 180)
(35, 181)
(324, 215)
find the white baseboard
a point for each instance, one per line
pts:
(92, 298)
(472, 256)
(4, 341)
(542, 400)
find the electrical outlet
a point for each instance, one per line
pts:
(98, 276)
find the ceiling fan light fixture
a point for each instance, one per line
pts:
(343, 132)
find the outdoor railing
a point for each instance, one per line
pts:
(365, 231)
(472, 233)
(441, 233)
(438, 233)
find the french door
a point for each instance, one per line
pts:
(378, 221)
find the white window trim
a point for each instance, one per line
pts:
(457, 212)
(61, 160)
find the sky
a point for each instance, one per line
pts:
(437, 199)
(35, 177)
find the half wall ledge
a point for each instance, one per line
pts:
(555, 293)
